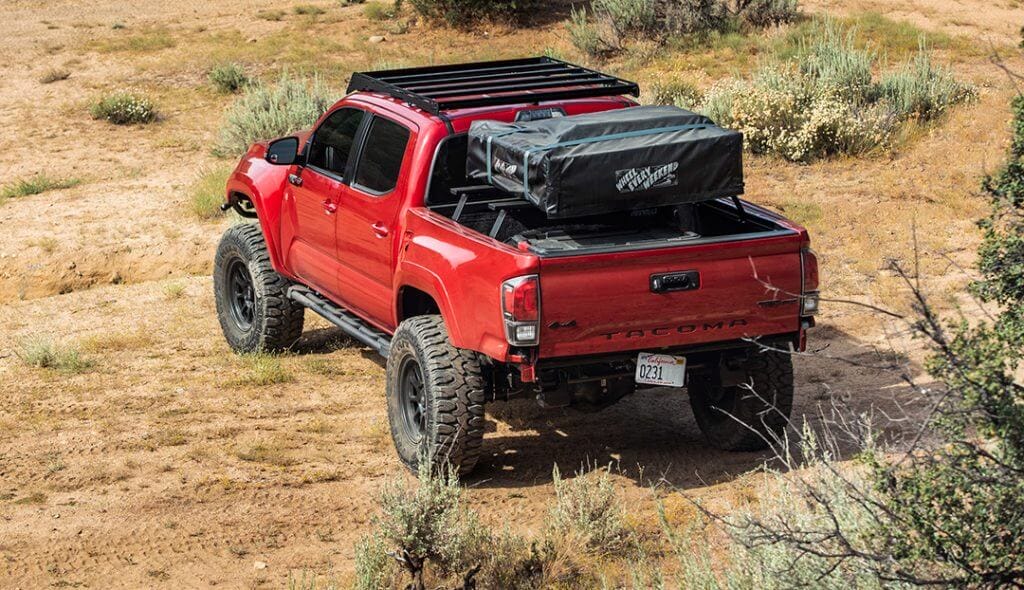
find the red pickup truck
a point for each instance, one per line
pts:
(369, 220)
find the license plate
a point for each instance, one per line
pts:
(661, 369)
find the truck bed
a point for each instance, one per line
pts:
(517, 223)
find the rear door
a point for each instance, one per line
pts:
(601, 303)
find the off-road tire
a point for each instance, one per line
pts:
(453, 394)
(738, 419)
(276, 320)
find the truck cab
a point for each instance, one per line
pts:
(370, 220)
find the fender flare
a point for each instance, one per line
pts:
(419, 277)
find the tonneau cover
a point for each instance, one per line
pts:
(618, 160)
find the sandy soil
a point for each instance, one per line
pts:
(165, 464)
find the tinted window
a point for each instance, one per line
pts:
(333, 141)
(382, 156)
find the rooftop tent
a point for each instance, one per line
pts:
(618, 160)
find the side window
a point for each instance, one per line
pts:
(381, 159)
(333, 140)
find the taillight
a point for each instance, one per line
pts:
(809, 282)
(520, 308)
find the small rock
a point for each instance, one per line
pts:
(260, 565)
(378, 39)
(251, 40)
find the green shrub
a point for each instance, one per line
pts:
(695, 17)
(308, 9)
(830, 60)
(423, 523)
(375, 569)
(34, 185)
(207, 193)
(266, 112)
(588, 508)
(124, 108)
(628, 17)
(428, 525)
(922, 90)
(766, 13)
(678, 93)
(463, 13)
(378, 11)
(611, 23)
(228, 78)
(586, 35)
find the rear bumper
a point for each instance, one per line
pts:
(563, 381)
(782, 341)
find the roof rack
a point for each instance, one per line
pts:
(535, 79)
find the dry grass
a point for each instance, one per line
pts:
(41, 353)
(261, 370)
(268, 452)
(206, 194)
(37, 184)
(135, 339)
(54, 75)
(141, 42)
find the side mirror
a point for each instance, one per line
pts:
(284, 151)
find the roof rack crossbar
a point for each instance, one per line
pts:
(499, 71)
(438, 88)
(553, 82)
(469, 81)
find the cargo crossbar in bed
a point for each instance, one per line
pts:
(439, 88)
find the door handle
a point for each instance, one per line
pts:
(330, 207)
(380, 230)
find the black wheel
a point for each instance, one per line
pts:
(745, 417)
(252, 303)
(435, 397)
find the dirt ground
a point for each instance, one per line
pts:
(170, 462)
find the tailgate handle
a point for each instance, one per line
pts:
(675, 281)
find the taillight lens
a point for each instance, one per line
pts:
(809, 297)
(520, 306)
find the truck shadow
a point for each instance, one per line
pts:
(652, 437)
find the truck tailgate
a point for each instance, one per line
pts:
(592, 304)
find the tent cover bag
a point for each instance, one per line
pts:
(618, 160)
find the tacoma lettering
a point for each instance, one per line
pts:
(667, 330)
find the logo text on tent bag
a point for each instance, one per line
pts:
(505, 168)
(632, 180)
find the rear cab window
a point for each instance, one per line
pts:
(380, 159)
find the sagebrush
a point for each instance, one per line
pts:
(608, 25)
(464, 13)
(268, 111)
(229, 78)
